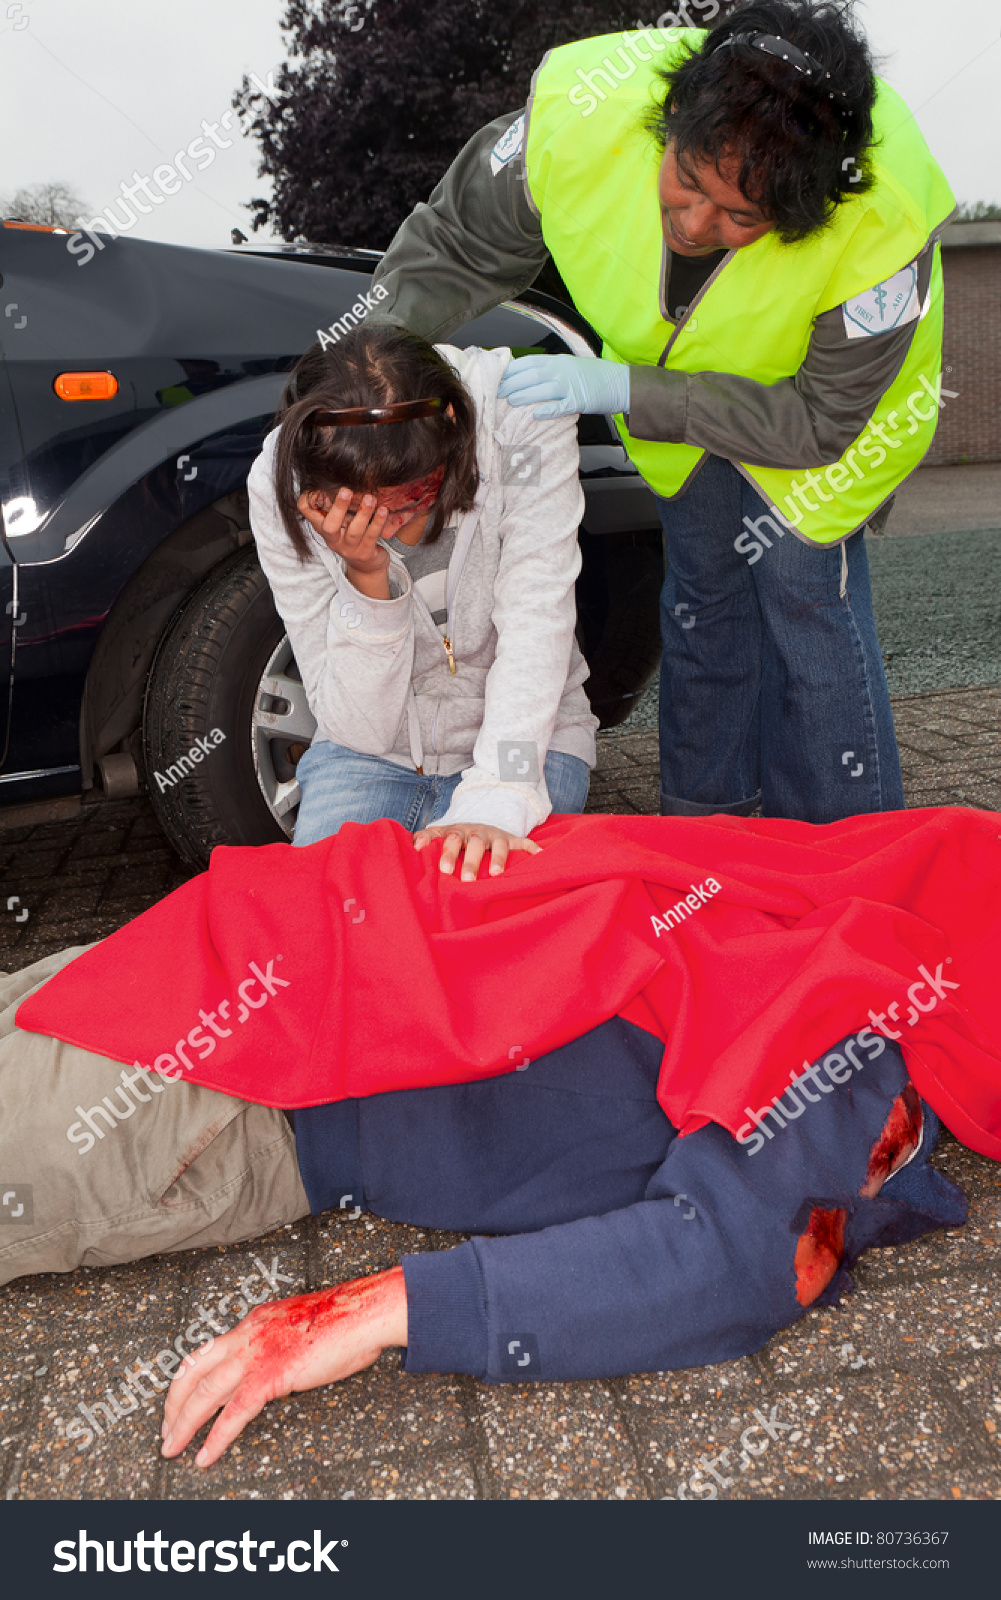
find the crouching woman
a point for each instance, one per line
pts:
(420, 538)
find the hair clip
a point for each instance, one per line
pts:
(353, 416)
(771, 44)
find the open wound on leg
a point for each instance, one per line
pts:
(818, 1252)
(896, 1144)
(820, 1248)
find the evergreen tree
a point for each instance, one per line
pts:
(378, 96)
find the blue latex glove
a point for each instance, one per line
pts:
(559, 386)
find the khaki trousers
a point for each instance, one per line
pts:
(156, 1165)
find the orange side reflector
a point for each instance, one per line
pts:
(37, 227)
(86, 386)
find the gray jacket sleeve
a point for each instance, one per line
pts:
(478, 241)
(475, 243)
(808, 420)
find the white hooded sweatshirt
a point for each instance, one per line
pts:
(376, 672)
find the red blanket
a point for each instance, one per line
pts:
(297, 976)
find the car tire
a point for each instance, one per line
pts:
(214, 679)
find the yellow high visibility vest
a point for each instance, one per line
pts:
(592, 176)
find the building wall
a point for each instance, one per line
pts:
(969, 427)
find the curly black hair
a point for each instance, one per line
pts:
(374, 365)
(803, 145)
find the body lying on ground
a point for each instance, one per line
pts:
(611, 1235)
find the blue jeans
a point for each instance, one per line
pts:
(772, 685)
(339, 785)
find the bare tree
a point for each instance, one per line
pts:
(54, 204)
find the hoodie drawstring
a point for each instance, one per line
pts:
(414, 730)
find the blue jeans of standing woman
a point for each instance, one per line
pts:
(339, 785)
(772, 687)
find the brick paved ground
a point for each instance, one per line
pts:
(950, 751)
(897, 1395)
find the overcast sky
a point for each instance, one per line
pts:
(92, 90)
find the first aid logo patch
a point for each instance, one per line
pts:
(508, 145)
(889, 305)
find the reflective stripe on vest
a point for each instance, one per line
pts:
(592, 174)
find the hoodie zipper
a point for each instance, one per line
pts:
(452, 583)
(446, 641)
(455, 566)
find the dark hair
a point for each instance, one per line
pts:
(374, 366)
(801, 153)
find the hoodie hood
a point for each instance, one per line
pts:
(480, 372)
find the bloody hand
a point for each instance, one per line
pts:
(293, 1344)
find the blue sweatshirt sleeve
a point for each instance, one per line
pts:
(701, 1270)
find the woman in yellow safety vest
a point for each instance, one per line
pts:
(749, 219)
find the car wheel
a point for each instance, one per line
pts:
(225, 718)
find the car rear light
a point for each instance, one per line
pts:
(86, 386)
